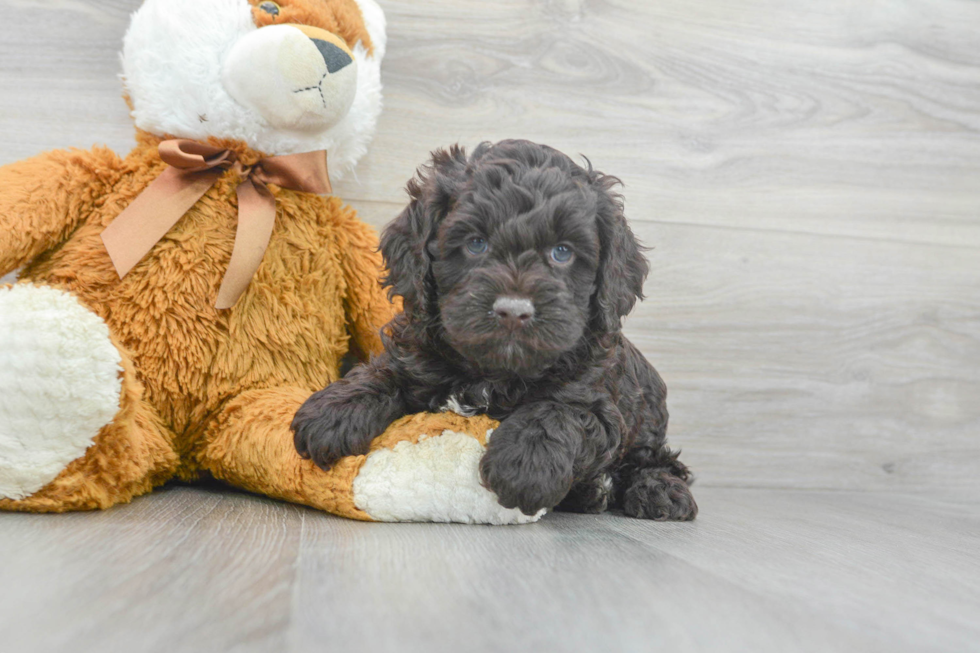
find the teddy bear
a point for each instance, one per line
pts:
(175, 307)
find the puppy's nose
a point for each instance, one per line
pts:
(513, 312)
(335, 58)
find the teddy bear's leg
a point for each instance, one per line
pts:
(250, 445)
(425, 467)
(75, 433)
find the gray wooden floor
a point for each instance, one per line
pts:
(808, 175)
(210, 570)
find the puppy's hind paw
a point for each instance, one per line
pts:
(659, 495)
(590, 497)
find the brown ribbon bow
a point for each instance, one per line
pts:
(194, 168)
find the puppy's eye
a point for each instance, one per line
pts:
(561, 254)
(270, 8)
(477, 245)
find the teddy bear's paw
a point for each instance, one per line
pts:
(60, 383)
(434, 480)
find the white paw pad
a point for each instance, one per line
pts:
(60, 380)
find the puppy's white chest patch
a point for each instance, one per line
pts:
(456, 403)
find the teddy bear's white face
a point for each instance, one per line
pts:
(297, 77)
(201, 68)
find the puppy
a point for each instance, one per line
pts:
(516, 266)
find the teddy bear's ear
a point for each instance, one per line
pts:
(404, 243)
(375, 24)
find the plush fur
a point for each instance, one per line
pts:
(196, 390)
(60, 372)
(314, 297)
(173, 75)
(517, 226)
(434, 478)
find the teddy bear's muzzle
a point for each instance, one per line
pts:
(296, 77)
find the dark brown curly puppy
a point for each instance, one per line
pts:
(516, 266)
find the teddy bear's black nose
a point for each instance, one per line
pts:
(335, 58)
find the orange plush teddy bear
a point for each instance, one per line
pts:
(178, 305)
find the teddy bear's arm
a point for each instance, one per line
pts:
(367, 304)
(42, 200)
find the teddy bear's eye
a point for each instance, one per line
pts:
(270, 8)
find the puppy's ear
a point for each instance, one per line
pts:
(433, 193)
(622, 266)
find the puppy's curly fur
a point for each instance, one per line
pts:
(583, 414)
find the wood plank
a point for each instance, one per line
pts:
(59, 82)
(570, 584)
(829, 119)
(185, 569)
(898, 570)
(845, 119)
(760, 570)
(798, 361)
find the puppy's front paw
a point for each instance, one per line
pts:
(659, 495)
(329, 427)
(525, 470)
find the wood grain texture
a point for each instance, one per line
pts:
(846, 118)
(192, 570)
(808, 175)
(761, 570)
